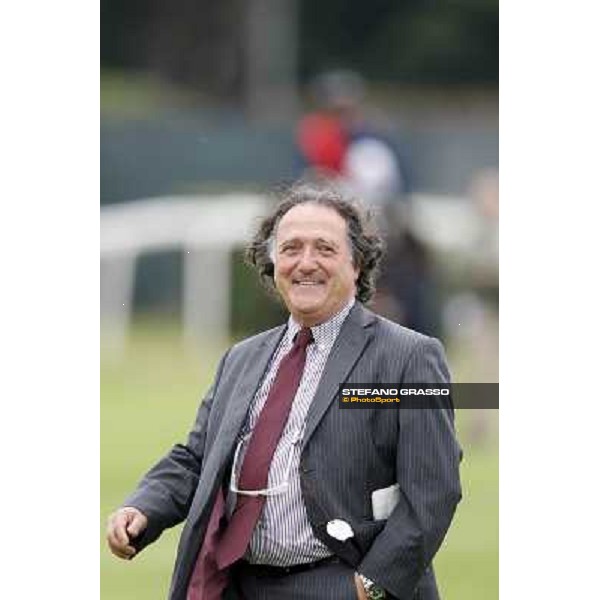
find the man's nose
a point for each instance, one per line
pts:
(307, 260)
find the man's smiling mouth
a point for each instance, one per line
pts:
(307, 283)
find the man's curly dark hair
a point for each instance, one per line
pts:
(365, 242)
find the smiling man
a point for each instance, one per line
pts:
(314, 269)
(286, 495)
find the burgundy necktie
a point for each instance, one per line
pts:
(219, 551)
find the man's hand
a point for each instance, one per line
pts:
(124, 525)
(360, 588)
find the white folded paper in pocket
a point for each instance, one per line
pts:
(384, 500)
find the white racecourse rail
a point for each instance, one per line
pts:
(207, 229)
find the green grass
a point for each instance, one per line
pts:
(467, 564)
(148, 401)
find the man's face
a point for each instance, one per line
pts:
(313, 263)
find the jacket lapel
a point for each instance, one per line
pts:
(241, 397)
(245, 390)
(349, 345)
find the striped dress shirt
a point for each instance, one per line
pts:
(283, 535)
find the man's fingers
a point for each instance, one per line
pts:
(137, 524)
(120, 522)
(124, 525)
(117, 547)
(116, 535)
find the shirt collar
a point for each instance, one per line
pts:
(325, 333)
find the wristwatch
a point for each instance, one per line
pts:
(374, 592)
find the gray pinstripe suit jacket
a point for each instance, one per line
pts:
(346, 455)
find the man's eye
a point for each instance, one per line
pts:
(326, 250)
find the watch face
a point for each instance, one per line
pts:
(376, 593)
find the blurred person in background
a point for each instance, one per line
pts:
(286, 495)
(407, 288)
(337, 141)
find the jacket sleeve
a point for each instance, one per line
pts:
(427, 470)
(165, 493)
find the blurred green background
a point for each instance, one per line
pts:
(148, 402)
